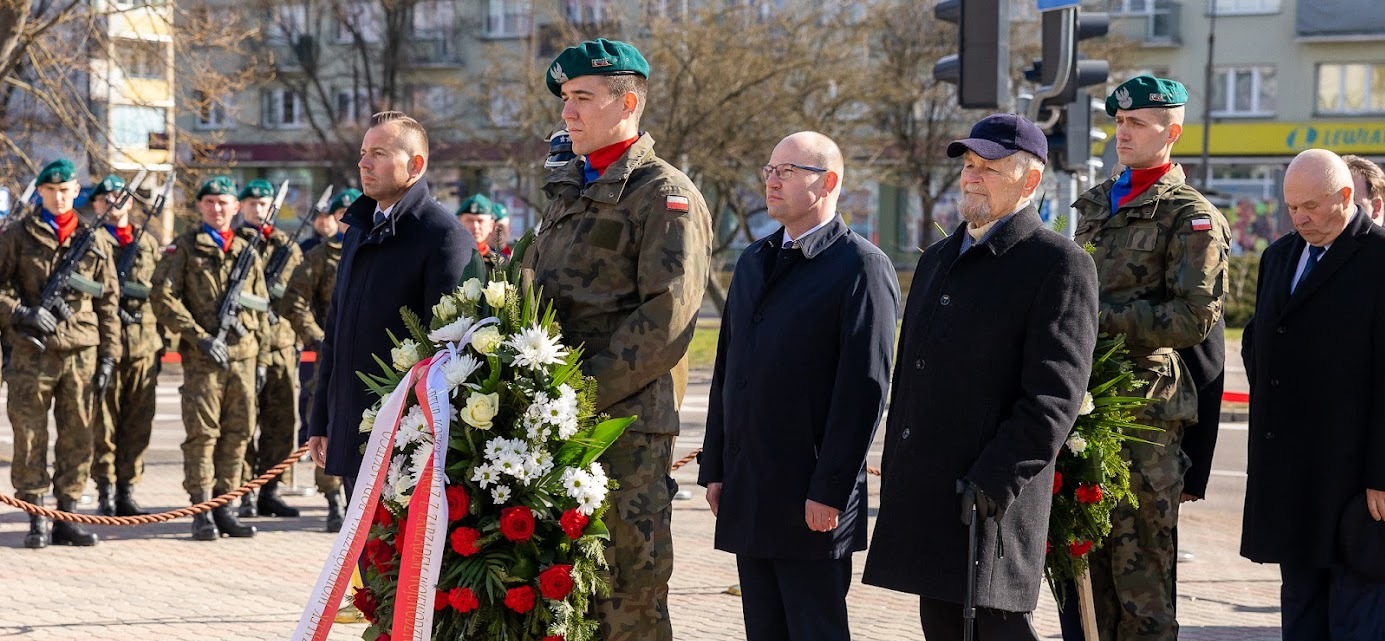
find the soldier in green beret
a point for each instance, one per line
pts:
(1161, 254)
(477, 215)
(127, 411)
(275, 379)
(218, 392)
(622, 251)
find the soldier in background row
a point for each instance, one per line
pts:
(126, 413)
(477, 215)
(218, 392)
(61, 359)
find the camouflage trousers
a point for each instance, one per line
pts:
(218, 410)
(307, 382)
(125, 417)
(1133, 572)
(60, 379)
(276, 418)
(640, 552)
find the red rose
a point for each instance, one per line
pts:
(554, 637)
(517, 523)
(463, 540)
(440, 601)
(457, 502)
(383, 637)
(379, 554)
(383, 516)
(520, 599)
(1088, 493)
(556, 582)
(1057, 482)
(573, 523)
(463, 600)
(365, 602)
(1080, 548)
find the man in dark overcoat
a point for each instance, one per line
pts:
(1315, 357)
(802, 368)
(993, 362)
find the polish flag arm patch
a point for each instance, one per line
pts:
(677, 203)
(1203, 223)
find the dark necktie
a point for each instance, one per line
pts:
(1314, 253)
(380, 218)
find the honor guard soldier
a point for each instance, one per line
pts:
(477, 215)
(305, 308)
(127, 411)
(59, 299)
(1161, 252)
(212, 294)
(622, 252)
(275, 382)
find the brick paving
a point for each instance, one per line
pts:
(154, 582)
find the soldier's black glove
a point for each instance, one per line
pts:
(215, 350)
(986, 507)
(261, 375)
(313, 344)
(35, 319)
(126, 318)
(105, 369)
(61, 311)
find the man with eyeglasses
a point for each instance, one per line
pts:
(783, 459)
(622, 253)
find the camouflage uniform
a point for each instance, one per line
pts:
(624, 261)
(1161, 263)
(305, 309)
(277, 400)
(218, 404)
(127, 411)
(60, 375)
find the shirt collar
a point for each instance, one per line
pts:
(790, 239)
(995, 225)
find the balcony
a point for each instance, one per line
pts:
(433, 52)
(1340, 21)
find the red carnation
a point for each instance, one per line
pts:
(573, 523)
(379, 554)
(364, 601)
(463, 600)
(383, 637)
(556, 582)
(517, 523)
(463, 540)
(1088, 493)
(1080, 548)
(383, 516)
(554, 637)
(440, 601)
(457, 502)
(520, 599)
(1057, 482)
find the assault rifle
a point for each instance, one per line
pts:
(65, 276)
(21, 209)
(228, 314)
(274, 267)
(131, 290)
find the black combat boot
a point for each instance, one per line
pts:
(67, 533)
(105, 505)
(229, 525)
(40, 528)
(248, 506)
(271, 504)
(125, 504)
(335, 517)
(203, 529)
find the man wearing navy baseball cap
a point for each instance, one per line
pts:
(994, 354)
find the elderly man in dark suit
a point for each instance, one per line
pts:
(1315, 356)
(803, 362)
(402, 249)
(994, 357)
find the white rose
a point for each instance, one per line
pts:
(1077, 444)
(405, 355)
(495, 293)
(446, 309)
(1088, 404)
(368, 420)
(486, 339)
(480, 409)
(471, 290)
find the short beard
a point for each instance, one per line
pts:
(975, 215)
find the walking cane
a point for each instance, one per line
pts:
(969, 600)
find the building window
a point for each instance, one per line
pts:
(1244, 91)
(1242, 7)
(1130, 7)
(133, 126)
(507, 18)
(672, 9)
(211, 112)
(429, 101)
(505, 105)
(434, 19)
(1351, 89)
(283, 109)
(589, 11)
(287, 23)
(359, 17)
(142, 58)
(352, 107)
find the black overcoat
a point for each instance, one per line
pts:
(1206, 364)
(1315, 360)
(994, 359)
(410, 261)
(802, 369)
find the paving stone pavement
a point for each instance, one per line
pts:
(154, 582)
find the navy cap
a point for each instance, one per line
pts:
(1000, 135)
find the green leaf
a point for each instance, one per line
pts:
(582, 449)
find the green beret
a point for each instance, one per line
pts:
(217, 186)
(476, 204)
(257, 188)
(600, 57)
(108, 185)
(1143, 92)
(344, 200)
(58, 171)
(499, 210)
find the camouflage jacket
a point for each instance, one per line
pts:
(624, 262)
(310, 290)
(28, 254)
(281, 335)
(1161, 264)
(143, 338)
(189, 284)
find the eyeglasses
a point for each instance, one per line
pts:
(785, 171)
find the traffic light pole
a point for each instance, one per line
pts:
(1066, 52)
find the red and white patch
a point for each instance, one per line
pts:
(677, 203)
(1202, 224)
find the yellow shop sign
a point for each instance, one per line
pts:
(1282, 138)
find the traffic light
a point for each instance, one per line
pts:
(1070, 143)
(1081, 72)
(981, 66)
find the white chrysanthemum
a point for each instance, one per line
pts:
(368, 420)
(587, 504)
(1077, 444)
(392, 477)
(567, 430)
(598, 474)
(456, 370)
(452, 332)
(538, 464)
(419, 460)
(494, 447)
(500, 494)
(534, 348)
(470, 291)
(1088, 404)
(537, 431)
(510, 464)
(485, 476)
(413, 427)
(576, 482)
(405, 355)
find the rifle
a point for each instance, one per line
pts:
(130, 290)
(228, 314)
(274, 267)
(65, 276)
(22, 206)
